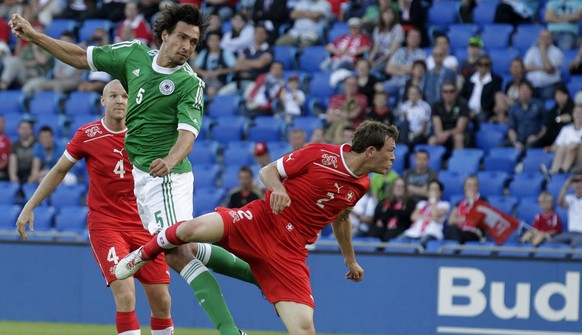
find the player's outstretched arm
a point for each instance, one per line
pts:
(279, 199)
(52, 179)
(69, 53)
(342, 230)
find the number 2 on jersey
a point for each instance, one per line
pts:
(321, 201)
(119, 169)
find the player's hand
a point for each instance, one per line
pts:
(26, 216)
(279, 200)
(159, 168)
(355, 272)
(21, 28)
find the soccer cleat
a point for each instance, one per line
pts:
(129, 264)
(242, 333)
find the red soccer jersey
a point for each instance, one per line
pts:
(111, 201)
(320, 186)
(548, 222)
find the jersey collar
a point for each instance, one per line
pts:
(164, 70)
(346, 147)
(111, 131)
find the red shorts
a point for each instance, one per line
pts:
(111, 246)
(272, 247)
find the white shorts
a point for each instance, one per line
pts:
(163, 201)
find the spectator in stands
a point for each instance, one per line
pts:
(500, 109)
(262, 158)
(345, 110)
(474, 50)
(347, 135)
(459, 228)
(347, 49)
(112, 10)
(400, 64)
(240, 37)
(543, 63)
(435, 77)
(213, 64)
(387, 37)
(73, 9)
(10, 7)
(567, 144)
(393, 213)
(559, 116)
(267, 87)
(371, 18)
(367, 83)
(46, 153)
(546, 224)
(297, 138)
(271, 13)
(516, 11)
(292, 98)
(466, 10)
(95, 82)
(449, 61)
(317, 136)
(310, 19)
(573, 202)
(21, 154)
(379, 110)
(135, 22)
(450, 117)
(4, 151)
(575, 65)
(4, 53)
(64, 79)
(253, 62)
(413, 118)
(526, 119)
(563, 17)
(480, 88)
(245, 192)
(46, 9)
(380, 184)
(418, 177)
(415, 78)
(224, 8)
(429, 216)
(32, 62)
(517, 71)
(362, 215)
(414, 15)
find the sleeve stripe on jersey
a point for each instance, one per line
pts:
(189, 128)
(281, 168)
(90, 58)
(70, 157)
(125, 44)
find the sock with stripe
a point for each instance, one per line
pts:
(126, 323)
(162, 326)
(225, 263)
(209, 296)
(165, 239)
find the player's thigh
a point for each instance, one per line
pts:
(298, 318)
(108, 248)
(163, 201)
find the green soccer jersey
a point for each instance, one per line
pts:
(161, 100)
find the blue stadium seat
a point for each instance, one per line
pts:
(512, 154)
(71, 223)
(319, 86)
(88, 27)
(28, 190)
(311, 57)
(435, 152)
(278, 149)
(455, 198)
(8, 221)
(401, 153)
(204, 152)
(527, 210)
(206, 199)
(68, 195)
(12, 102)
(526, 35)
(238, 153)
(498, 163)
(44, 218)
(80, 120)
(506, 204)
(526, 184)
(501, 59)
(266, 129)
(55, 122)
(224, 105)
(465, 160)
(534, 157)
(11, 121)
(477, 252)
(575, 85)
(497, 35)
(453, 182)
(45, 103)
(205, 175)
(563, 214)
(229, 177)
(59, 26)
(459, 35)
(439, 247)
(492, 182)
(559, 251)
(443, 13)
(207, 123)
(555, 185)
(515, 253)
(79, 103)
(487, 139)
(484, 13)
(326, 243)
(337, 30)
(403, 247)
(8, 192)
(229, 129)
(307, 123)
(578, 254)
(286, 54)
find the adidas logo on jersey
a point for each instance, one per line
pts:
(135, 72)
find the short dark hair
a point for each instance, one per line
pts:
(422, 151)
(46, 128)
(171, 15)
(246, 168)
(372, 133)
(439, 183)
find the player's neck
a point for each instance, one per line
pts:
(355, 162)
(114, 125)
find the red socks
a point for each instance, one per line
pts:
(162, 326)
(166, 239)
(126, 321)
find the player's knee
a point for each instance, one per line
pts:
(125, 301)
(161, 306)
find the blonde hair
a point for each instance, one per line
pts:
(545, 196)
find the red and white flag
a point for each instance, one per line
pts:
(496, 223)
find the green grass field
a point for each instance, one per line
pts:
(34, 328)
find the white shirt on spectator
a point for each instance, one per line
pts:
(450, 62)
(236, 45)
(475, 99)
(540, 78)
(416, 115)
(568, 135)
(574, 213)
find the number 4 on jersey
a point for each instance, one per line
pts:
(119, 169)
